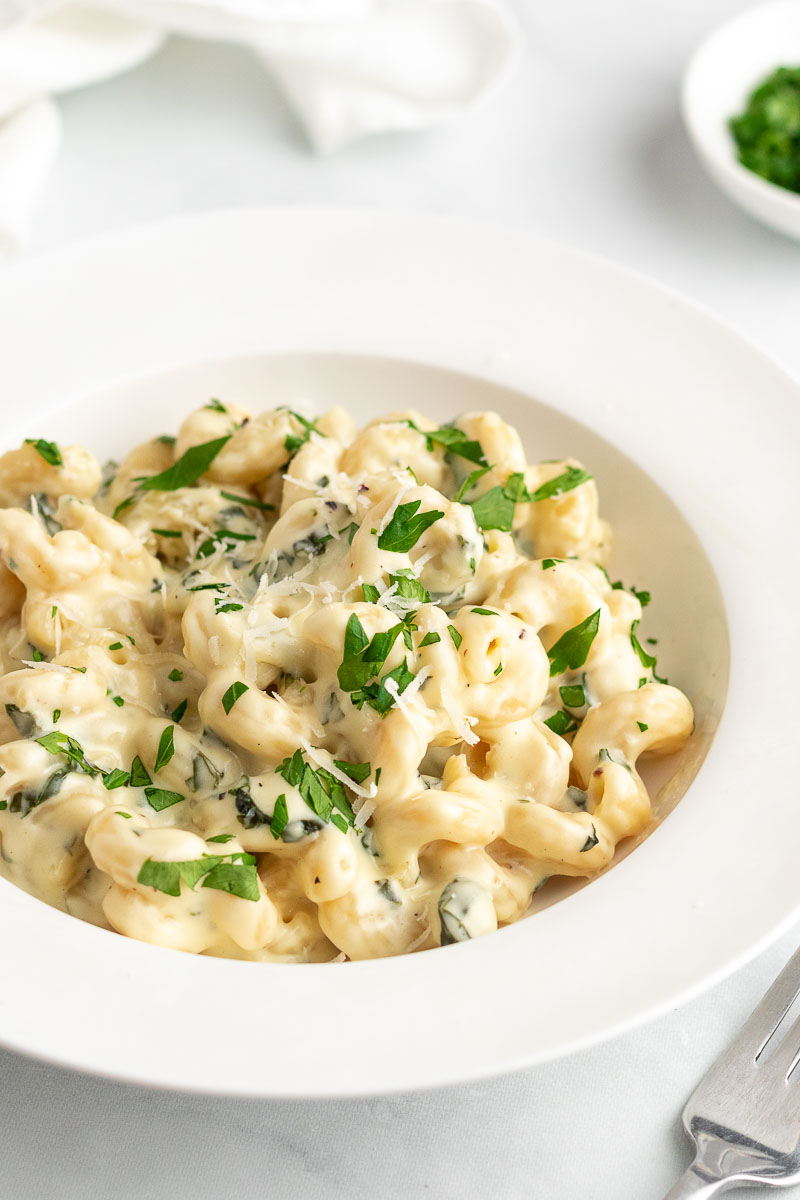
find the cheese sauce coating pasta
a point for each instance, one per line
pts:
(286, 690)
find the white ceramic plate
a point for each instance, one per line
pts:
(586, 359)
(722, 73)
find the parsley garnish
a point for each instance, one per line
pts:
(115, 646)
(321, 791)
(167, 533)
(430, 639)
(166, 747)
(469, 483)
(215, 406)
(233, 873)
(280, 817)
(56, 715)
(259, 504)
(406, 527)
(550, 562)
(643, 728)
(455, 635)
(455, 441)
(571, 478)
(642, 597)
(292, 441)
(484, 612)
(160, 798)
(409, 587)
(221, 837)
(49, 451)
(572, 695)
(358, 772)
(233, 693)
(175, 675)
(139, 775)
(495, 508)
(572, 648)
(116, 779)
(187, 470)
(179, 712)
(118, 701)
(371, 593)
(561, 722)
(61, 743)
(647, 660)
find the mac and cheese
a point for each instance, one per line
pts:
(287, 690)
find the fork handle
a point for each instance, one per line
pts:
(694, 1184)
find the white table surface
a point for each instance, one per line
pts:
(583, 144)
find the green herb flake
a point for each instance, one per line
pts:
(280, 817)
(498, 670)
(215, 406)
(179, 712)
(222, 838)
(233, 693)
(455, 635)
(118, 812)
(371, 593)
(642, 727)
(54, 612)
(454, 441)
(484, 612)
(166, 747)
(166, 439)
(49, 451)
(643, 597)
(571, 478)
(547, 563)
(250, 501)
(160, 798)
(116, 779)
(767, 132)
(56, 715)
(115, 646)
(408, 587)
(139, 775)
(123, 504)
(338, 820)
(175, 675)
(572, 695)
(561, 722)
(647, 660)
(167, 533)
(469, 483)
(572, 648)
(120, 703)
(406, 527)
(430, 639)
(187, 470)
(591, 841)
(358, 772)
(495, 508)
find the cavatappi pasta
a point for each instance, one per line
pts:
(288, 690)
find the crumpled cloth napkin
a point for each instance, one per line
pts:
(348, 67)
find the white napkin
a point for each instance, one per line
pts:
(349, 67)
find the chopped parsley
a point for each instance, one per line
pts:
(166, 747)
(249, 500)
(280, 817)
(495, 508)
(572, 695)
(175, 675)
(61, 743)
(647, 660)
(430, 639)
(321, 790)
(547, 563)
(406, 527)
(371, 593)
(469, 483)
(233, 873)
(221, 838)
(120, 703)
(56, 715)
(179, 712)
(160, 798)
(49, 451)
(116, 779)
(454, 441)
(358, 772)
(455, 635)
(572, 648)
(167, 533)
(571, 478)
(642, 727)
(233, 693)
(767, 133)
(115, 646)
(139, 775)
(484, 612)
(216, 406)
(294, 442)
(409, 587)
(561, 722)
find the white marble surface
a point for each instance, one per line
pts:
(584, 144)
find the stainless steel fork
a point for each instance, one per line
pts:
(744, 1118)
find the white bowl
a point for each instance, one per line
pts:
(723, 72)
(692, 436)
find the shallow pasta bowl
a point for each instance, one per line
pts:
(691, 436)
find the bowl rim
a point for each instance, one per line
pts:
(447, 253)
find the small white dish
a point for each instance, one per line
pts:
(692, 436)
(720, 76)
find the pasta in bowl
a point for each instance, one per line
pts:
(286, 690)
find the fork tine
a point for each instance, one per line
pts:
(762, 1023)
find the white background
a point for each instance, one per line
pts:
(582, 144)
